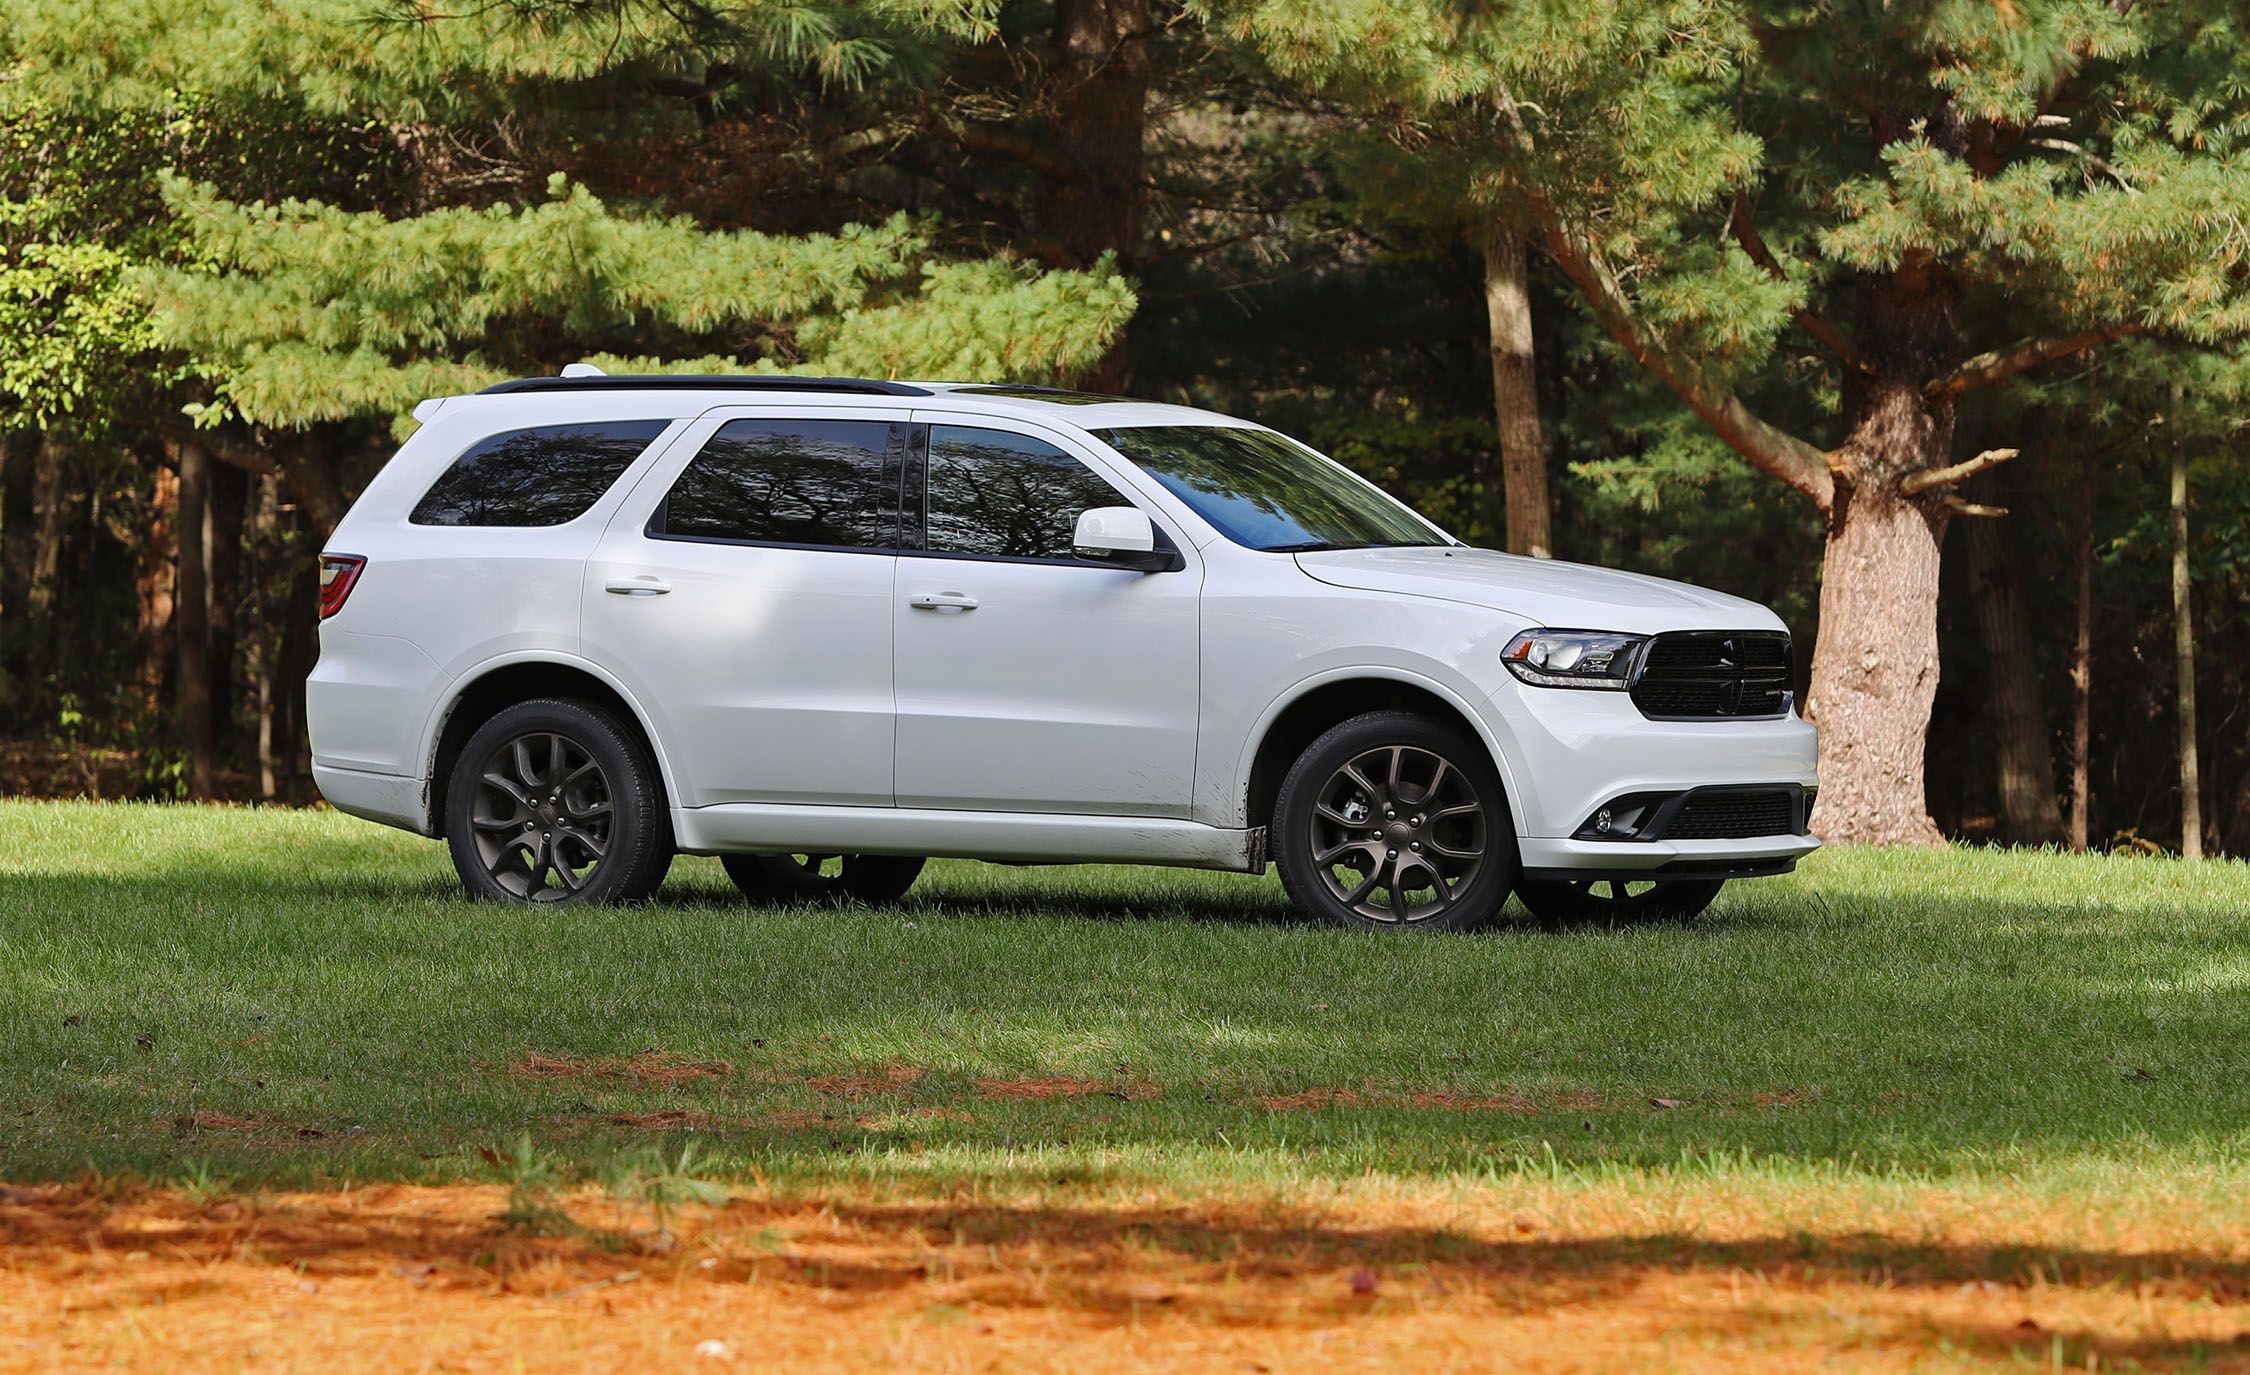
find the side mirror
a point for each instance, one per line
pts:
(1122, 537)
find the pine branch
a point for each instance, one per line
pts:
(1768, 448)
(1824, 331)
(1010, 143)
(1992, 369)
(1959, 472)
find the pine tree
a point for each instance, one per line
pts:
(1896, 192)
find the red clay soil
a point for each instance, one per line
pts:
(423, 1279)
(1063, 1087)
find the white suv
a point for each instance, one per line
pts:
(824, 628)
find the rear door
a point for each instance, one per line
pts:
(1028, 679)
(744, 594)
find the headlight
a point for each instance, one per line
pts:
(1574, 658)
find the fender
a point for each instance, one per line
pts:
(434, 730)
(1436, 688)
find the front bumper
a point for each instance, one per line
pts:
(1593, 859)
(1569, 753)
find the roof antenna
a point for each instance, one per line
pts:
(582, 370)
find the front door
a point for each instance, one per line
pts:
(1030, 680)
(744, 593)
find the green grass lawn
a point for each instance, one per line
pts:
(299, 997)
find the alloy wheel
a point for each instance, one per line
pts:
(543, 816)
(1397, 833)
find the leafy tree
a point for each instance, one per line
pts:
(1889, 194)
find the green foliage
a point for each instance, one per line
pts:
(301, 313)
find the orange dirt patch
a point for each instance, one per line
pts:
(866, 1083)
(1541, 1279)
(649, 1067)
(1312, 1098)
(1060, 1086)
(220, 1122)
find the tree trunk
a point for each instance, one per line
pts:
(2029, 811)
(1875, 671)
(194, 620)
(2183, 649)
(1097, 81)
(1515, 394)
(156, 586)
(230, 494)
(15, 561)
(2082, 671)
(50, 495)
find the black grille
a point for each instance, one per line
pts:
(1734, 816)
(1715, 674)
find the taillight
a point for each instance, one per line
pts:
(339, 573)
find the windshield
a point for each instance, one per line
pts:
(1266, 492)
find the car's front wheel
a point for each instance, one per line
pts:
(1393, 820)
(556, 800)
(822, 878)
(1604, 902)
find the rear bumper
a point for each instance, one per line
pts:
(390, 798)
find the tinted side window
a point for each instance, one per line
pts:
(820, 482)
(543, 476)
(1007, 495)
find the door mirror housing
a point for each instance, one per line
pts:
(1123, 537)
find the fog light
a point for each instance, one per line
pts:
(1601, 821)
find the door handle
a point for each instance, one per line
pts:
(943, 601)
(642, 586)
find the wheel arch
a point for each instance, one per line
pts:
(501, 683)
(1298, 718)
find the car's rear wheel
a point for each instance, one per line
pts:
(556, 800)
(1392, 820)
(1599, 902)
(823, 878)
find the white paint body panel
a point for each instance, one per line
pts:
(803, 699)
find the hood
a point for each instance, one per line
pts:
(1564, 596)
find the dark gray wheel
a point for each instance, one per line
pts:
(1395, 820)
(1601, 902)
(823, 878)
(555, 800)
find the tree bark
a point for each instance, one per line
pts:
(230, 493)
(2082, 670)
(15, 559)
(155, 588)
(1515, 394)
(2029, 810)
(50, 497)
(193, 619)
(2183, 648)
(1097, 83)
(1875, 671)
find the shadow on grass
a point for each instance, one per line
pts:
(1207, 1266)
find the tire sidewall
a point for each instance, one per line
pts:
(640, 834)
(1477, 903)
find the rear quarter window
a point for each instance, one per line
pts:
(546, 475)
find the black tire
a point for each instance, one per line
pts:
(781, 879)
(600, 832)
(1603, 902)
(1453, 860)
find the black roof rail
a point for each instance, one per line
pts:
(857, 386)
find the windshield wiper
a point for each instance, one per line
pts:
(1325, 546)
